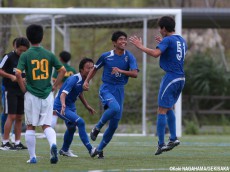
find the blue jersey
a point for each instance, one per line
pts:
(173, 49)
(73, 87)
(109, 60)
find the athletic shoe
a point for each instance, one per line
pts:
(94, 133)
(160, 149)
(20, 146)
(171, 144)
(68, 153)
(7, 146)
(100, 155)
(93, 152)
(54, 155)
(32, 161)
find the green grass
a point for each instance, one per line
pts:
(125, 154)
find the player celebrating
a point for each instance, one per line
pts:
(171, 49)
(64, 105)
(38, 63)
(119, 64)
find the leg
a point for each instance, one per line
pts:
(112, 110)
(171, 124)
(68, 136)
(8, 125)
(31, 143)
(113, 124)
(161, 124)
(18, 128)
(83, 135)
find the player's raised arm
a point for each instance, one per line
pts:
(89, 77)
(138, 43)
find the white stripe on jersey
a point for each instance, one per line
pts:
(3, 61)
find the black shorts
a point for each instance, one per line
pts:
(14, 103)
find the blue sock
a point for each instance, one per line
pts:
(68, 138)
(112, 110)
(161, 123)
(83, 135)
(171, 119)
(108, 135)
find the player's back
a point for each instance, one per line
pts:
(173, 50)
(38, 63)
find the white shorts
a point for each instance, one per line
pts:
(38, 111)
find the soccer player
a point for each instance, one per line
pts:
(37, 63)
(4, 115)
(119, 64)
(64, 105)
(64, 57)
(171, 49)
(14, 97)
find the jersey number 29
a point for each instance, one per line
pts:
(40, 66)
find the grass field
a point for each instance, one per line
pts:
(126, 154)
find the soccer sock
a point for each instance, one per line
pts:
(31, 142)
(112, 110)
(54, 121)
(161, 123)
(109, 132)
(83, 135)
(171, 119)
(50, 135)
(68, 138)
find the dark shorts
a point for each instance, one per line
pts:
(14, 103)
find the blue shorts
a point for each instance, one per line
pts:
(110, 92)
(170, 89)
(70, 117)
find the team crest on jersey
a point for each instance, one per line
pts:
(126, 58)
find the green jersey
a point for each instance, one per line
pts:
(38, 63)
(69, 71)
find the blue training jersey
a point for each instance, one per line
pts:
(173, 49)
(73, 87)
(109, 60)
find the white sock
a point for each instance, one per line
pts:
(31, 142)
(50, 135)
(54, 121)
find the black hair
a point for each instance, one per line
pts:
(65, 56)
(117, 34)
(167, 22)
(84, 61)
(34, 33)
(21, 41)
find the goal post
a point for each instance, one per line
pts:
(99, 18)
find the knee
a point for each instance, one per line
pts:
(115, 108)
(113, 127)
(80, 122)
(71, 127)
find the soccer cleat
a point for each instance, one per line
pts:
(100, 155)
(94, 133)
(171, 144)
(7, 146)
(93, 152)
(54, 155)
(160, 149)
(68, 153)
(20, 146)
(32, 161)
